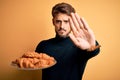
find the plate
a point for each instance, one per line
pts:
(16, 66)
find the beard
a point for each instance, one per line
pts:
(62, 35)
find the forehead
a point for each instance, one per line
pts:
(61, 16)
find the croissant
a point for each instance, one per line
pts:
(34, 60)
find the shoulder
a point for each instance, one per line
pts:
(43, 43)
(46, 41)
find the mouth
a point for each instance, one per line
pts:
(61, 31)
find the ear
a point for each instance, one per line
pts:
(53, 21)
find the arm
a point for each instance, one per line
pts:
(90, 54)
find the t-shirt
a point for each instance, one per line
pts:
(71, 60)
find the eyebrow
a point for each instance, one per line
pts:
(66, 20)
(61, 20)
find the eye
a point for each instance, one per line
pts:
(58, 21)
(66, 21)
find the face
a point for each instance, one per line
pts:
(61, 23)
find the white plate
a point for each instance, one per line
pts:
(16, 66)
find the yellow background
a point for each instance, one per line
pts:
(24, 23)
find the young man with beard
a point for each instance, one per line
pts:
(73, 45)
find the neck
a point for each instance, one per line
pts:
(60, 37)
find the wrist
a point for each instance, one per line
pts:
(92, 48)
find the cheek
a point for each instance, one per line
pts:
(56, 27)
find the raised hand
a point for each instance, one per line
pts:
(81, 34)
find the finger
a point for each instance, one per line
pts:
(79, 20)
(75, 21)
(85, 24)
(74, 30)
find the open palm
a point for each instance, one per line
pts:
(81, 34)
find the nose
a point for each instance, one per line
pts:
(62, 25)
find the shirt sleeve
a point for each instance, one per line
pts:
(91, 54)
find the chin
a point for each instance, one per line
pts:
(63, 36)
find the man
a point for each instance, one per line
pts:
(73, 45)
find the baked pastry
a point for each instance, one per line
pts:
(34, 60)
